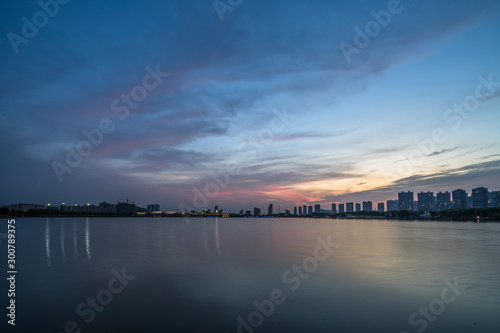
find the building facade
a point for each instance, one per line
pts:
(480, 197)
(459, 198)
(405, 200)
(392, 205)
(367, 206)
(341, 209)
(444, 200)
(425, 201)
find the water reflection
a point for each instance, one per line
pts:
(87, 240)
(47, 242)
(63, 242)
(217, 239)
(205, 236)
(75, 242)
(63, 251)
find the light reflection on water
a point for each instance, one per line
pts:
(50, 238)
(47, 242)
(201, 276)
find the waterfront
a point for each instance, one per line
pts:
(202, 274)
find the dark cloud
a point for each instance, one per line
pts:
(265, 53)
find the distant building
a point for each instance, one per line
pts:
(367, 206)
(270, 209)
(107, 208)
(294, 210)
(349, 207)
(392, 205)
(380, 207)
(25, 207)
(459, 198)
(480, 197)
(216, 210)
(300, 210)
(309, 210)
(317, 209)
(88, 208)
(425, 201)
(405, 200)
(50, 207)
(256, 211)
(334, 208)
(287, 211)
(495, 198)
(341, 209)
(304, 209)
(358, 207)
(443, 200)
(153, 208)
(125, 208)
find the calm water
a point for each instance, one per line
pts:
(202, 275)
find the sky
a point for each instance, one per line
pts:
(244, 103)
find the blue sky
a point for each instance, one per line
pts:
(260, 107)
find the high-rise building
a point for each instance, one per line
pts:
(216, 210)
(105, 207)
(334, 208)
(425, 200)
(304, 209)
(349, 207)
(287, 211)
(405, 200)
(270, 209)
(480, 197)
(443, 200)
(358, 207)
(367, 206)
(392, 205)
(496, 198)
(153, 208)
(125, 208)
(459, 198)
(256, 211)
(300, 210)
(317, 208)
(380, 207)
(309, 210)
(294, 210)
(341, 209)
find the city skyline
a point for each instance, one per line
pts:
(479, 197)
(349, 103)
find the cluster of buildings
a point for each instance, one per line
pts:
(102, 208)
(425, 201)
(458, 199)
